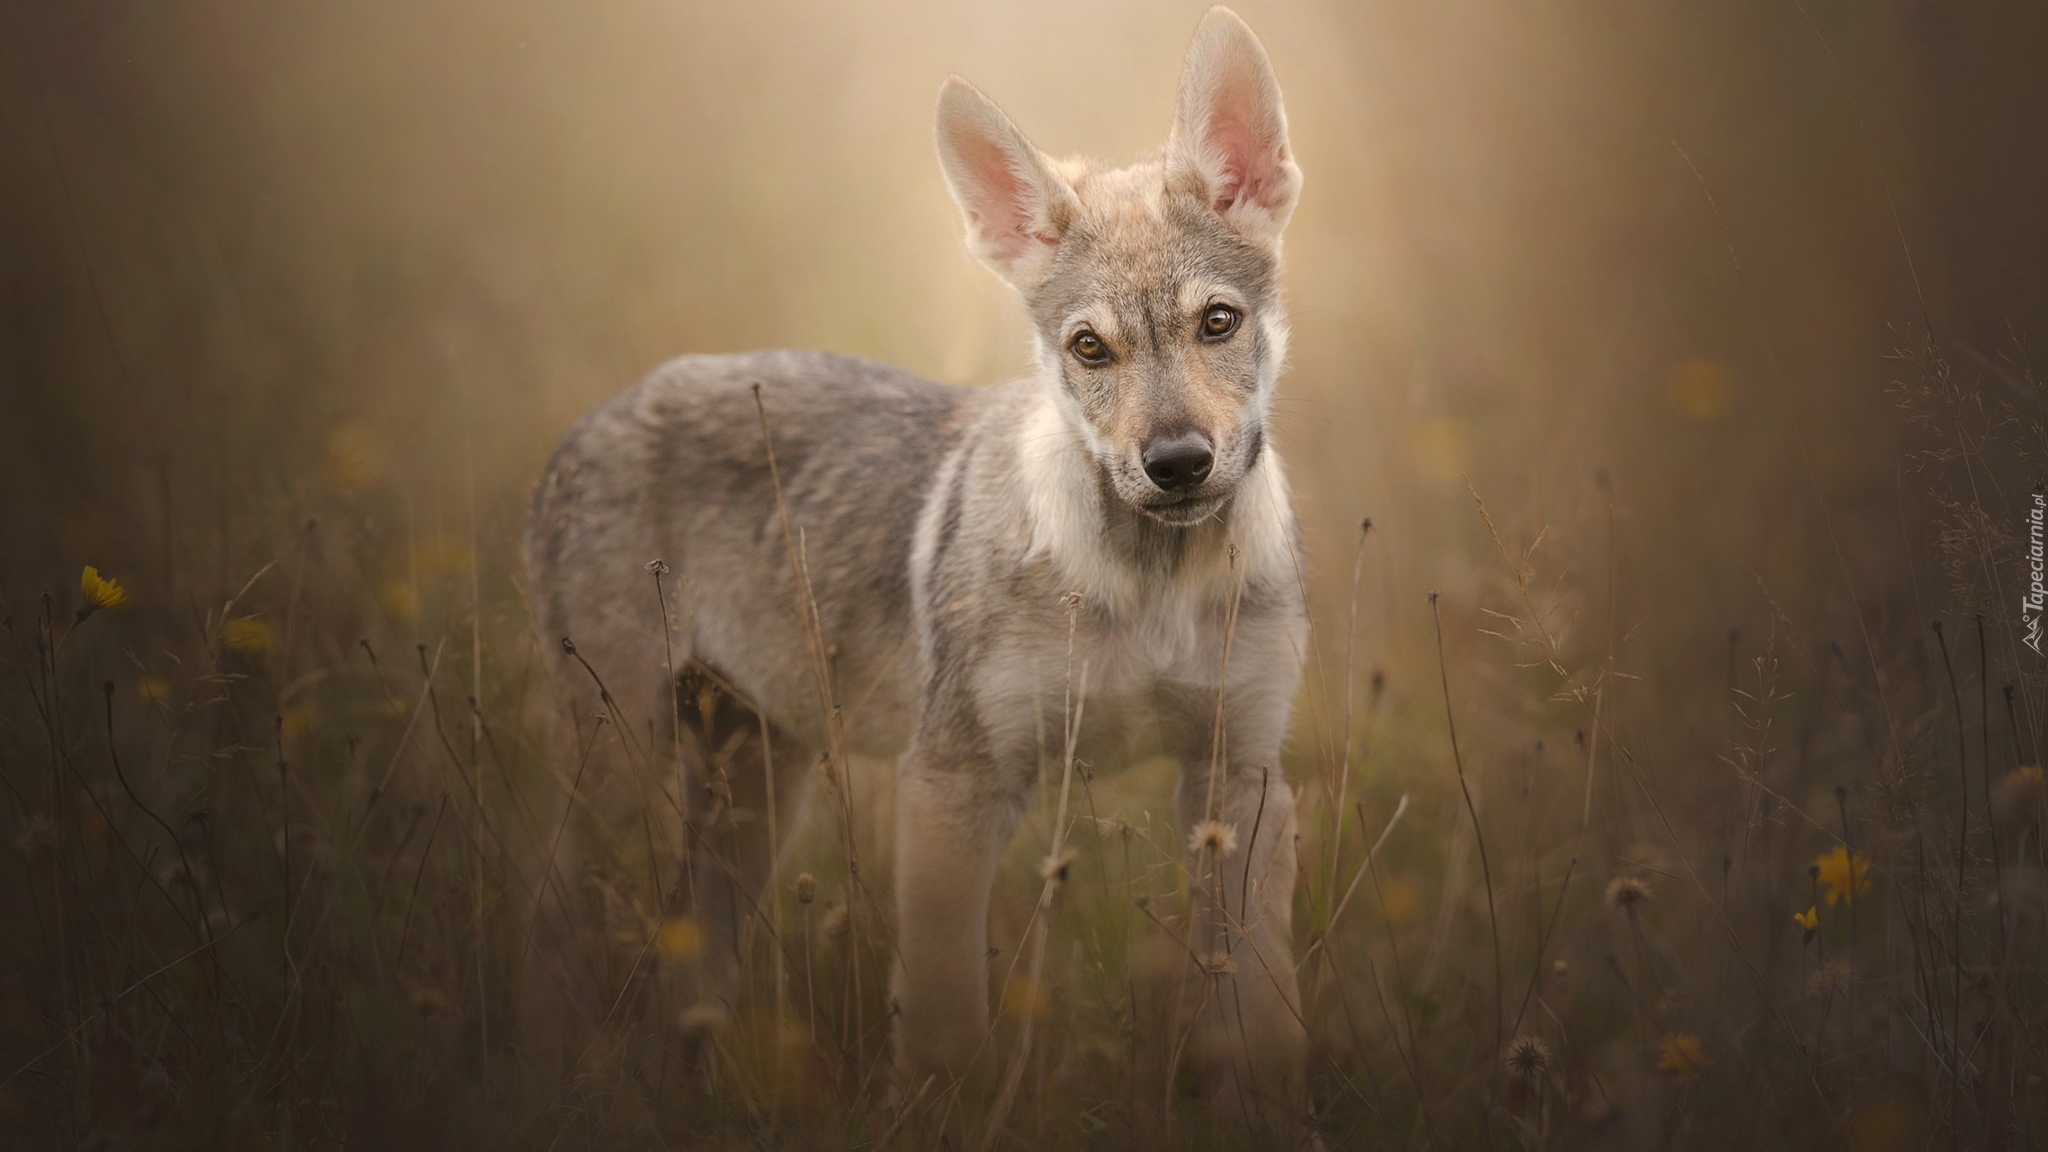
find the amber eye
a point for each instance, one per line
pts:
(1089, 348)
(1219, 322)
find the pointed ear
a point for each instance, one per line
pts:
(1017, 207)
(1229, 142)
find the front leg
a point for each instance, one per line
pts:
(1237, 810)
(955, 810)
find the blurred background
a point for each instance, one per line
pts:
(1668, 243)
(1723, 310)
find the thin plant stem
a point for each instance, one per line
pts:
(1485, 868)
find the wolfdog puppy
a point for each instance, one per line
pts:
(861, 562)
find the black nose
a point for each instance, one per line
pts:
(1178, 463)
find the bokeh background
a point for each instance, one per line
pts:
(1723, 310)
(1671, 242)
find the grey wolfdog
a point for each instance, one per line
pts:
(859, 562)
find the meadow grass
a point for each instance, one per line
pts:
(271, 878)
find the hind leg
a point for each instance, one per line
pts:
(594, 877)
(745, 785)
(579, 878)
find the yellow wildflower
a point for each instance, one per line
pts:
(399, 601)
(97, 592)
(355, 458)
(1023, 996)
(1681, 1054)
(249, 634)
(2022, 789)
(1883, 1126)
(154, 690)
(679, 939)
(1401, 901)
(441, 556)
(298, 718)
(1809, 919)
(1846, 876)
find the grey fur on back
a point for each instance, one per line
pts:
(675, 469)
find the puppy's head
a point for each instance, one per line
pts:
(1153, 289)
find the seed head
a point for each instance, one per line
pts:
(1832, 978)
(806, 888)
(429, 1002)
(1627, 893)
(1213, 836)
(1561, 977)
(703, 1018)
(1528, 1056)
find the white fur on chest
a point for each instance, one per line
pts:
(1174, 636)
(1147, 628)
(1133, 633)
